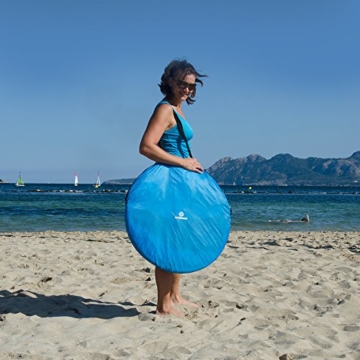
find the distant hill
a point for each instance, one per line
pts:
(119, 182)
(284, 169)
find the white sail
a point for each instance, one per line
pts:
(76, 180)
(98, 183)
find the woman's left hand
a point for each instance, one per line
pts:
(192, 165)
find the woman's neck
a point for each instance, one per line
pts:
(174, 102)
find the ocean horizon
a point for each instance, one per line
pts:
(65, 207)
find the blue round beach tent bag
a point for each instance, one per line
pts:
(177, 219)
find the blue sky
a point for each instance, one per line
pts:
(78, 81)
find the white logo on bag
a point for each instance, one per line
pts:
(181, 216)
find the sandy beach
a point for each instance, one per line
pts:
(270, 295)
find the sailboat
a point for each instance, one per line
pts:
(98, 183)
(76, 180)
(19, 181)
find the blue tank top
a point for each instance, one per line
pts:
(172, 141)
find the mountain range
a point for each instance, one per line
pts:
(285, 169)
(282, 170)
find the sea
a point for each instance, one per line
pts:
(64, 207)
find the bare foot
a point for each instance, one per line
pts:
(179, 300)
(171, 311)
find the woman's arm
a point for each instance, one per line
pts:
(162, 120)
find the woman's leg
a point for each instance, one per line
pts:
(164, 283)
(168, 287)
(175, 295)
(175, 292)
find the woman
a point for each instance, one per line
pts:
(163, 143)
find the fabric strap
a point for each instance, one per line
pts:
(181, 131)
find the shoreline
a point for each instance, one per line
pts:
(90, 295)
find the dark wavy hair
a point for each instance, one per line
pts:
(177, 70)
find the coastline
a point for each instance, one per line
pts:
(90, 295)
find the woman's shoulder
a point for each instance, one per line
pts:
(163, 113)
(163, 108)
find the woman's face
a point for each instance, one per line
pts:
(181, 89)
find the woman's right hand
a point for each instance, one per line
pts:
(192, 165)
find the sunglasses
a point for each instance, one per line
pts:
(183, 85)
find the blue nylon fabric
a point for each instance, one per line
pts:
(177, 219)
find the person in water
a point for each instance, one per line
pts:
(163, 143)
(304, 219)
